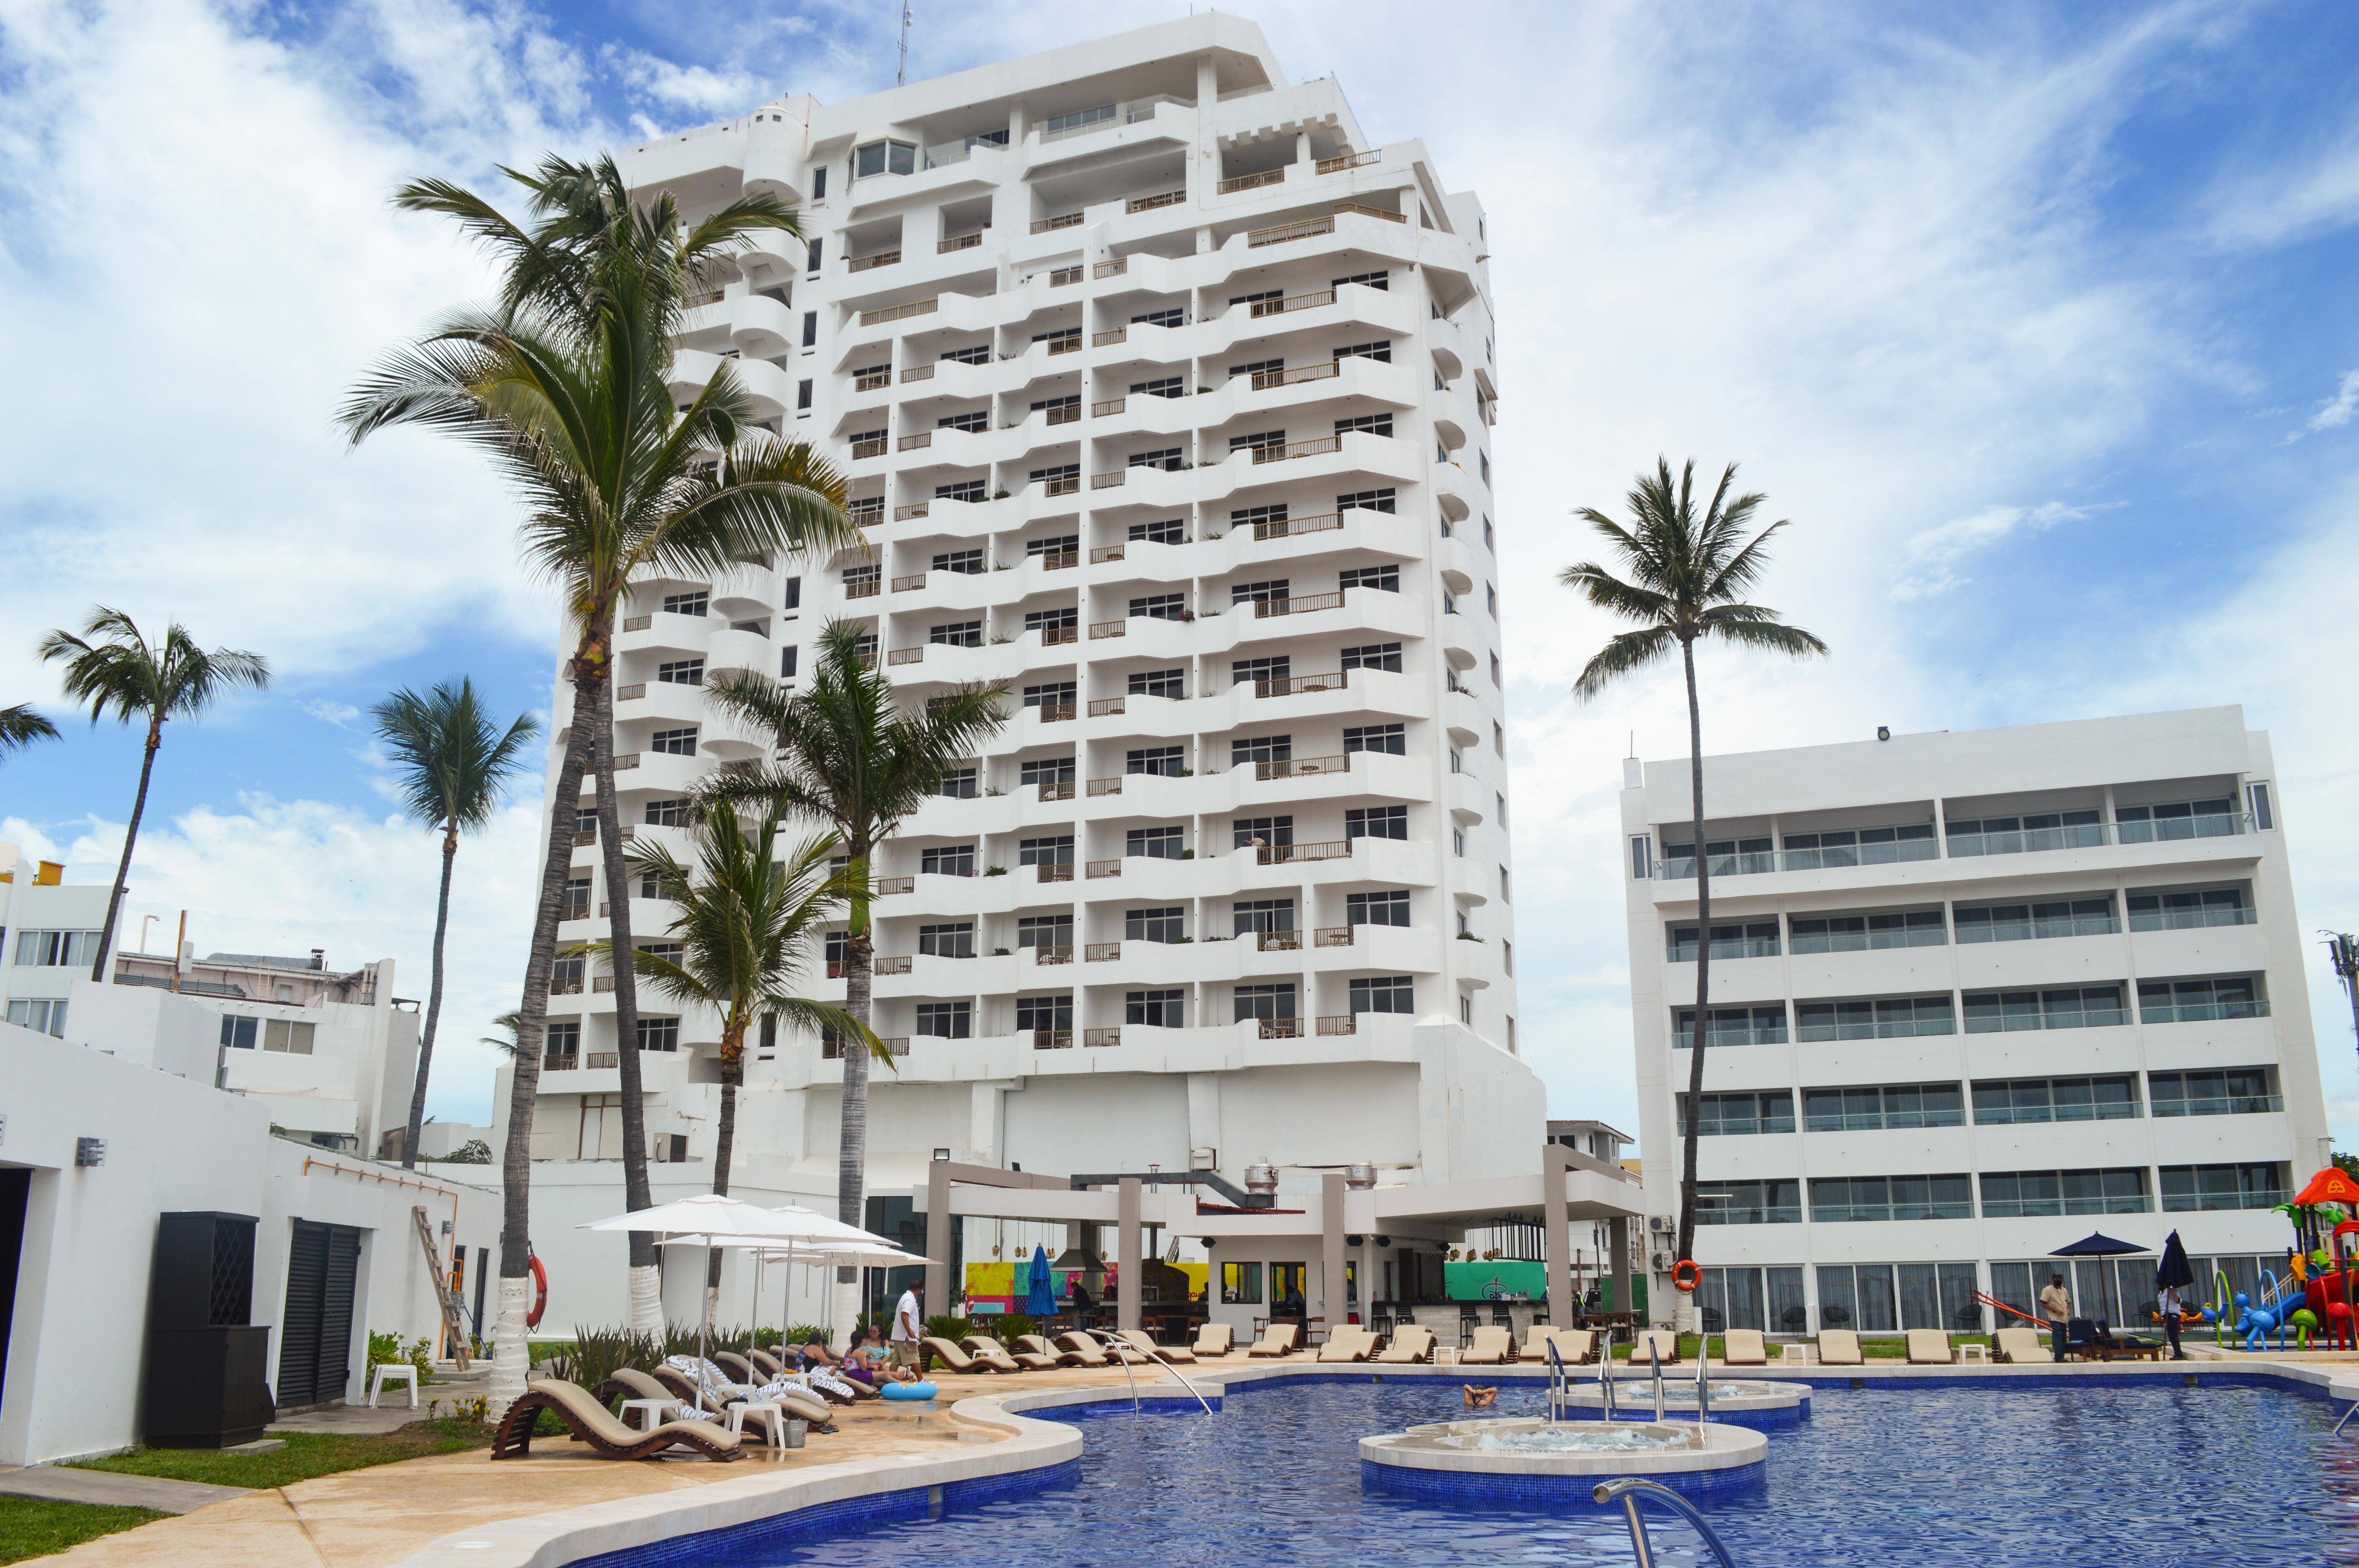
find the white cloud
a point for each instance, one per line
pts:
(715, 95)
(2335, 411)
(339, 714)
(1931, 558)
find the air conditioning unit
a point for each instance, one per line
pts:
(1662, 1224)
(1663, 1262)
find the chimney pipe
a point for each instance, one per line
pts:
(318, 958)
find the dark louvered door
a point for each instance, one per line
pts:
(336, 1314)
(298, 1322)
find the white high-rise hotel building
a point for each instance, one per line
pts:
(1164, 396)
(1973, 996)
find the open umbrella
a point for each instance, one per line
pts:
(1041, 1301)
(2097, 1244)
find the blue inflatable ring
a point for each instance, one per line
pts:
(908, 1390)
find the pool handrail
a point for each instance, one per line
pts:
(1125, 1349)
(1655, 1360)
(1607, 1405)
(1703, 1366)
(1630, 1488)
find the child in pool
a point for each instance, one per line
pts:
(1478, 1398)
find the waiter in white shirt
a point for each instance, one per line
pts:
(907, 1327)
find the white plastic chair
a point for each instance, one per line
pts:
(393, 1371)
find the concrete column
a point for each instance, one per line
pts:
(937, 1236)
(1126, 1242)
(1617, 1265)
(1557, 1228)
(1332, 1295)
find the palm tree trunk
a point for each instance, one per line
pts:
(512, 1357)
(434, 1002)
(646, 1288)
(852, 1144)
(733, 1073)
(123, 871)
(1703, 966)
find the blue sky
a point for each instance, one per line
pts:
(2036, 319)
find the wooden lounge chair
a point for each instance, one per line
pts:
(1574, 1347)
(1490, 1347)
(809, 1404)
(1930, 1347)
(594, 1425)
(768, 1364)
(1084, 1350)
(1278, 1339)
(1215, 1339)
(740, 1370)
(1653, 1344)
(630, 1383)
(1839, 1348)
(1348, 1344)
(1744, 1348)
(1039, 1345)
(1410, 1343)
(2020, 1346)
(1174, 1353)
(957, 1360)
(2114, 1347)
(990, 1349)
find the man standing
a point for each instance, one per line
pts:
(2056, 1305)
(2170, 1305)
(907, 1327)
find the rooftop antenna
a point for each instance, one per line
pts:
(901, 78)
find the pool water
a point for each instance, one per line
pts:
(1570, 1440)
(2047, 1478)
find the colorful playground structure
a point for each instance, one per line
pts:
(2313, 1296)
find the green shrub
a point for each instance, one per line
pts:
(1013, 1326)
(804, 1332)
(386, 1350)
(597, 1353)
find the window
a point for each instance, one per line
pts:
(1161, 924)
(1168, 458)
(659, 1033)
(1494, 669)
(976, 354)
(57, 949)
(1457, 842)
(2025, 922)
(860, 582)
(236, 1033)
(1035, 1014)
(1642, 859)
(681, 672)
(685, 603)
(1748, 1202)
(48, 1017)
(1161, 1010)
(577, 898)
(1241, 1284)
(1734, 1298)
(1741, 1114)
(956, 635)
(1386, 578)
(1271, 667)
(1164, 762)
(1491, 596)
(1260, 748)
(1276, 590)
(1498, 738)
(674, 742)
(1169, 316)
(2188, 911)
(1370, 424)
(561, 1040)
(1044, 931)
(1371, 279)
(946, 861)
(1373, 656)
(1159, 607)
(1930, 1295)
(811, 330)
(1484, 460)
(1858, 933)
(1376, 822)
(1245, 830)
(794, 598)
(1368, 500)
(1387, 908)
(786, 662)
(1154, 843)
(1746, 939)
(883, 158)
(2032, 1195)
(1732, 1026)
(2009, 1101)
(1893, 1017)
(2259, 795)
(2071, 1006)
(1387, 738)
(1857, 847)
(1390, 993)
(2231, 1091)
(1256, 299)
(1172, 531)
(2196, 1002)
(656, 888)
(1380, 350)
(1044, 621)
(284, 1036)
(965, 563)
(1055, 696)
(1840, 1200)
(1253, 916)
(666, 813)
(1506, 888)
(1058, 545)
(2188, 1189)
(1870, 1108)
(1507, 955)
(803, 394)
(2182, 820)
(945, 1019)
(960, 783)
(1265, 1002)
(1259, 440)
(974, 420)
(1490, 540)
(1054, 850)
(2020, 835)
(819, 183)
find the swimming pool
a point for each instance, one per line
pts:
(2043, 1475)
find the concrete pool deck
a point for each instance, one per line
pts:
(412, 1511)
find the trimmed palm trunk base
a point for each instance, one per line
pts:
(511, 1346)
(646, 1299)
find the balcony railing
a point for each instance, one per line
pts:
(597, 1059)
(1056, 789)
(1059, 277)
(862, 451)
(862, 588)
(631, 693)
(1051, 636)
(1055, 712)
(1068, 484)
(900, 966)
(1110, 479)
(2202, 1011)
(2190, 919)
(2217, 1105)
(584, 836)
(1106, 785)
(1332, 937)
(1100, 630)
(1754, 863)
(1339, 1023)
(1099, 340)
(1055, 870)
(1107, 553)
(1294, 685)
(1101, 1037)
(1309, 301)
(1099, 707)
(1105, 868)
(1281, 1028)
(1284, 527)
(1149, 203)
(1309, 449)
(571, 1062)
(567, 985)
(916, 373)
(1349, 160)
(627, 760)
(832, 1049)
(1263, 380)
(1052, 1039)
(909, 584)
(1278, 234)
(637, 622)
(900, 312)
(1278, 941)
(1059, 560)
(912, 443)
(1066, 345)
(1302, 767)
(885, 887)
(698, 301)
(864, 264)
(1114, 268)
(913, 508)
(1060, 953)
(1301, 605)
(1237, 182)
(1367, 212)
(907, 656)
(958, 242)
(1061, 220)
(601, 984)
(1328, 850)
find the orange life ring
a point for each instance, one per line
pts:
(1687, 1274)
(540, 1292)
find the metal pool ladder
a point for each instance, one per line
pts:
(1124, 1349)
(1629, 1489)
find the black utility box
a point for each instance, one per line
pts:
(207, 1382)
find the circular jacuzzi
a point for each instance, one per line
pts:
(1762, 1405)
(1511, 1463)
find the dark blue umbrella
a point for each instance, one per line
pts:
(1041, 1300)
(2096, 1244)
(2174, 1269)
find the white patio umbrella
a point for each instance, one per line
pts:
(831, 1244)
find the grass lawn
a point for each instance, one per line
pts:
(1872, 1347)
(35, 1527)
(307, 1453)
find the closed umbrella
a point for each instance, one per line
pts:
(1041, 1301)
(2174, 1269)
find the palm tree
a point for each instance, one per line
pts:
(452, 765)
(503, 1040)
(111, 667)
(847, 755)
(1686, 577)
(566, 387)
(20, 726)
(745, 929)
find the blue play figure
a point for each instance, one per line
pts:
(2256, 1322)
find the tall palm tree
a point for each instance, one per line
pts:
(504, 1038)
(1687, 576)
(452, 765)
(111, 667)
(745, 926)
(20, 726)
(568, 392)
(846, 755)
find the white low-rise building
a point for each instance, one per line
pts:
(1973, 996)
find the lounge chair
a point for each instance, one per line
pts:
(1655, 1344)
(1744, 1348)
(1535, 1343)
(1348, 1344)
(1409, 1343)
(990, 1349)
(768, 1364)
(630, 1383)
(1574, 1347)
(810, 1404)
(1215, 1339)
(1490, 1347)
(1084, 1350)
(740, 1370)
(2081, 1338)
(1037, 1345)
(2021, 1346)
(957, 1360)
(594, 1425)
(1155, 1352)
(1839, 1348)
(1930, 1347)
(1278, 1339)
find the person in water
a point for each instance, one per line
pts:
(1478, 1398)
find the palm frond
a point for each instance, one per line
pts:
(1749, 626)
(1626, 655)
(451, 761)
(20, 726)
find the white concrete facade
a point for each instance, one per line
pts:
(1973, 996)
(49, 934)
(1164, 396)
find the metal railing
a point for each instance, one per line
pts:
(1367, 212)
(864, 263)
(1327, 849)
(1100, 707)
(1058, 952)
(1056, 789)
(1754, 863)
(900, 966)
(862, 451)
(698, 301)
(597, 1059)
(1059, 277)
(1107, 868)
(1281, 1028)
(1051, 636)
(1332, 937)
(1056, 870)
(1237, 182)
(899, 312)
(1299, 605)
(602, 983)
(1103, 553)
(912, 509)
(1311, 300)
(1280, 233)
(1099, 340)
(1149, 203)
(1057, 561)
(912, 443)
(909, 584)
(1276, 941)
(1114, 268)
(907, 656)
(1294, 685)
(1302, 767)
(570, 1062)
(566, 986)
(631, 693)
(862, 588)
(1054, 712)
(1284, 527)
(1348, 160)
(1106, 786)
(1263, 380)
(1052, 1039)
(627, 760)
(881, 887)
(916, 373)
(1629, 1489)
(959, 243)
(1103, 952)
(1309, 449)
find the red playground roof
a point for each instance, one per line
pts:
(2333, 1184)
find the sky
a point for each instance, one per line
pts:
(2036, 321)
